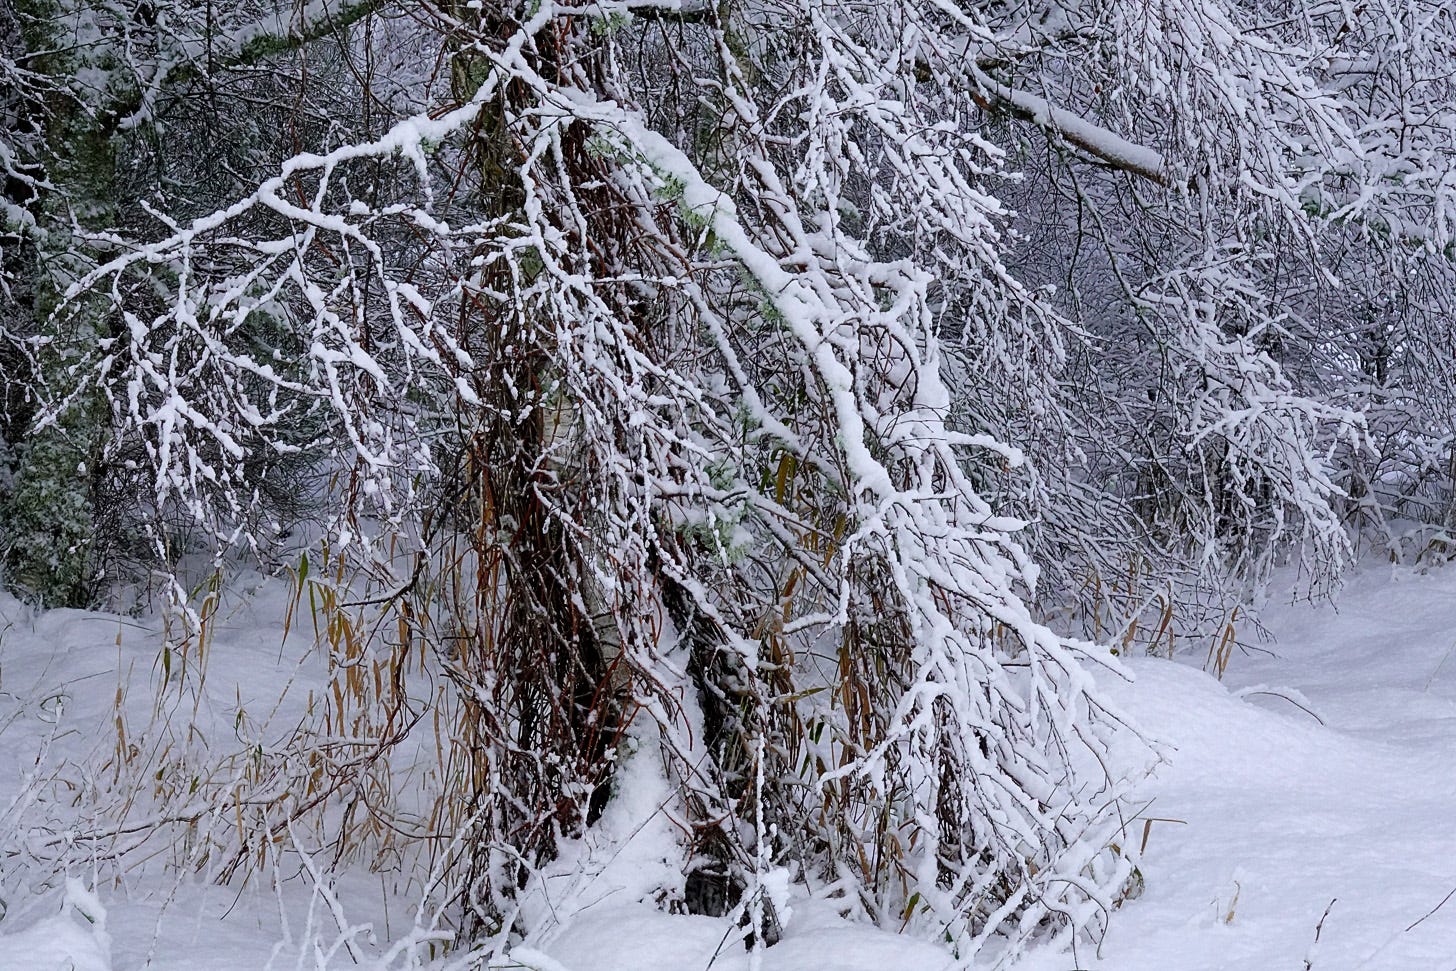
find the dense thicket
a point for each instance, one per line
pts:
(774, 391)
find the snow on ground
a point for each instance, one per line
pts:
(1282, 814)
(1319, 770)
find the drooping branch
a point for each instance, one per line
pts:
(1102, 143)
(265, 37)
(679, 11)
(278, 34)
(971, 55)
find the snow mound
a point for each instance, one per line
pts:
(1326, 787)
(62, 942)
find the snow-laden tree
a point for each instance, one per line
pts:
(642, 372)
(110, 109)
(1243, 207)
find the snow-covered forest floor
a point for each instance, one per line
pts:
(1320, 771)
(1310, 790)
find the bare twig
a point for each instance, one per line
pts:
(1433, 910)
(1318, 928)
